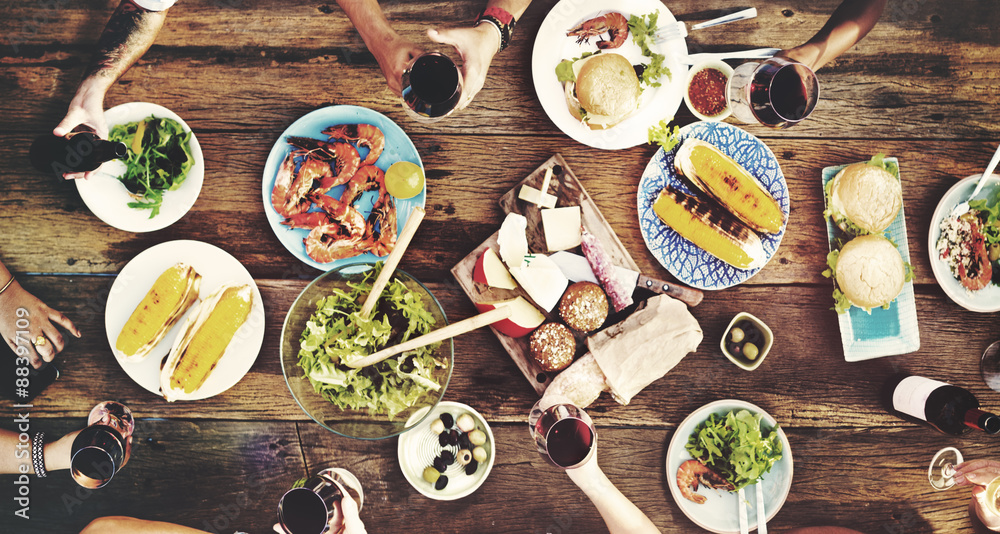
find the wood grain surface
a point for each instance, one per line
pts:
(923, 86)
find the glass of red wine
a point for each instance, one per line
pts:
(989, 366)
(562, 432)
(777, 92)
(314, 508)
(431, 87)
(103, 448)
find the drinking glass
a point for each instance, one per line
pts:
(989, 366)
(777, 92)
(431, 87)
(941, 473)
(563, 433)
(315, 507)
(103, 448)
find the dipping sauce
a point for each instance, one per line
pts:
(707, 92)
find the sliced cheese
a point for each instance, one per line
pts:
(542, 279)
(562, 228)
(530, 194)
(512, 240)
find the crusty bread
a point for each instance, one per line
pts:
(866, 195)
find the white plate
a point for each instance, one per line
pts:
(216, 267)
(720, 512)
(108, 199)
(552, 46)
(986, 300)
(419, 446)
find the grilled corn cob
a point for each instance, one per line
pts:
(710, 227)
(171, 295)
(728, 182)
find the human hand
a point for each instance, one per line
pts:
(476, 46)
(807, 54)
(352, 516)
(979, 473)
(84, 115)
(393, 57)
(42, 321)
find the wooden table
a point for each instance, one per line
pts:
(922, 87)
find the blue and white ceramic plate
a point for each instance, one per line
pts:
(720, 511)
(398, 147)
(885, 331)
(686, 261)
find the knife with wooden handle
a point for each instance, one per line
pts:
(577, 269)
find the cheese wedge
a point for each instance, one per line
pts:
(171, 295)
(203, 340)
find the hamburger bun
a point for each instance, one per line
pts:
(864, 199)
(607, 89)
(870, 271)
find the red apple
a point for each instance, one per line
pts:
(524, 319)
(489, 270)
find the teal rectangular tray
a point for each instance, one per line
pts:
(885, 332)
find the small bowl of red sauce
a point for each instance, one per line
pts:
(706, 95)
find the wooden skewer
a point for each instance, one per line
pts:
(452, 330)
(392, 261)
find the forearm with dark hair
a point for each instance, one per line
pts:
(127, 36)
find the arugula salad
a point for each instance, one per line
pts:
(336, 333)
(159, 158)
(735, 446)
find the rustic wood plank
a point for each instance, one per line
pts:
(275, 61)
(466, 177)
(212, 475)
(851, 478)
(804, 382)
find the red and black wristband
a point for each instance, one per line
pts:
(502, 20)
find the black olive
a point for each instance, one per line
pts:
(442, 481)
(448, 457)
(448, 420)
(453, 437)
(557, 170)
(443, 439)
(471, 468)
(439, 464)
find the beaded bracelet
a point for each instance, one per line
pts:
(5, 286)
(502, 20)
(37, 454)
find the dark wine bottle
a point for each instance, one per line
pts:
(77, 152)
(949, 409)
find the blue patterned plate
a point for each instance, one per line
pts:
(398, 147)
(687, 262)
(883, 332)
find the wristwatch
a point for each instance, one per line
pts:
(502, 20)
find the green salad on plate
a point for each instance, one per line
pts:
(736, 446)
(159, 158)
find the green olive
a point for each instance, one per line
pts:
(431, 475)
(995, 252)
(479, 454)
(737, 334)
(477, 437)
(750, 351)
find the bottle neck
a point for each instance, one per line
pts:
(981, 420)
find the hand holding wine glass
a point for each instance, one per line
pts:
(476, 46)
(984, 477)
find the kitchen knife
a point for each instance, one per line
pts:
(577, 269)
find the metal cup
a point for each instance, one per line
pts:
(315, 507)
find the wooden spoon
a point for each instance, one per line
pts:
(466, 325)
(403, 241)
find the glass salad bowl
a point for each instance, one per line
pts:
(371, 388)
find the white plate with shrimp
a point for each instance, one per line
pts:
(720, 511)
(397, 147)
(552, 45)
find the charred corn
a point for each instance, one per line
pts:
(171, 295)
(728, 182)
(710, 227)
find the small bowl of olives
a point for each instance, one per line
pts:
(449, 454)
(747, 341)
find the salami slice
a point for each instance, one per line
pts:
(600, 263)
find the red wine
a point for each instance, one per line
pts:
(302, 511)
(569, 442)
(778, 95)
(98, 453)
(433, 85)
(949, 409)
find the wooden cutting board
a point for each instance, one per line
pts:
(569, 192)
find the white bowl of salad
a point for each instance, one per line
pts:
(322, 331)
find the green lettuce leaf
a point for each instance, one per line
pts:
(564, 70)
(736, 446)
(642, 28)
(665, 136)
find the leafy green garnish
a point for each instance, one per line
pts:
(735, 446)
(336, 334)
(564, 70)
(161, 163)
(642, 28)
(665, 136)
(840, 302)
(879, 160)
(990, 216)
